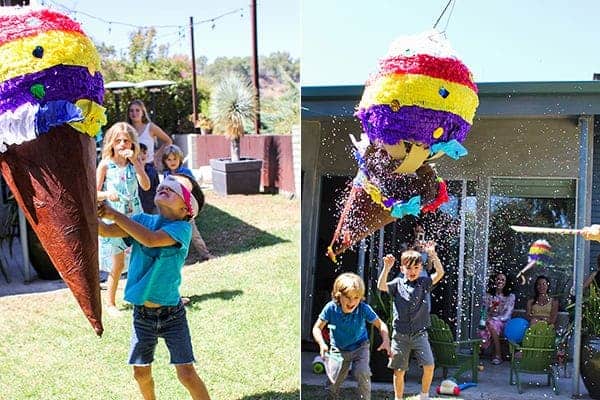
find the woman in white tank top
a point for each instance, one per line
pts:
(148, 134)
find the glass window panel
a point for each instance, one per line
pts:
(532, 202)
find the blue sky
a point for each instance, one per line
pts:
(278, 24)
(500, 41)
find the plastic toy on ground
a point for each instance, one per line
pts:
(318, 365)
(450, 387)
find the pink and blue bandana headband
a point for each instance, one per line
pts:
(184, 193)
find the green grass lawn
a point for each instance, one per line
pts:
(244, 319)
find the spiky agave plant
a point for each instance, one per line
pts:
(232, 105)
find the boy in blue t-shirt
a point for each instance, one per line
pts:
(346, 315)
(410, 292)
(159, 246)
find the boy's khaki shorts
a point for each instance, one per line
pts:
(403, 344)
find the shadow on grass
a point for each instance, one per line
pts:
(227, 234)
(295, 395)
(223, 295)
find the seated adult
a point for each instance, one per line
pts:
(499, 304)
(542, 307)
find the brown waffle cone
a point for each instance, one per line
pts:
(360, 217)
(53, 180)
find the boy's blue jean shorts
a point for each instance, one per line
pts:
(169, 323)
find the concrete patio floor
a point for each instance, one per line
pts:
(493, 383)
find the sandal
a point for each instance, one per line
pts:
(496, 361)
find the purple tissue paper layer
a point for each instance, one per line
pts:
(411, 123)
(62, 82)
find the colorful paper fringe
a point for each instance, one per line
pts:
(540, 252)
(48, 76)
(421, 93)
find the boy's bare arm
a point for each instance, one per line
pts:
(317, 332)
(110, 230)
(142, 176)
(388, 263)
(139, 232)
(438, 268)
(385, 336)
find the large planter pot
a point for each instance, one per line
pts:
(236, 177)
(590, 365)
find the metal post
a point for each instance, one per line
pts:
(255, 66)
(461, 261)
(584, 188)
(117, 94)
(194, 100)
(362, 250)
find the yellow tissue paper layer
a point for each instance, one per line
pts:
(421, 91)
(94, 116)
(67, 48)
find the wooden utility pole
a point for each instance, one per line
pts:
(255, 66)
(194, 100)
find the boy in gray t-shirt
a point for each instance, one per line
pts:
(411, 314)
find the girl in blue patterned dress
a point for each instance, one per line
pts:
(117, 177)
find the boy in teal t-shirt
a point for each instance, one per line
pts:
(159, 246)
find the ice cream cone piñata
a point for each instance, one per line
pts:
(50, 110)
(418, 106)
(370, 207)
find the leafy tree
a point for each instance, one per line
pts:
(278, 79)
(142, 46)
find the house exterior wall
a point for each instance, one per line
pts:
(521, 130)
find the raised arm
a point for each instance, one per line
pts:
(163, 139)
(438, 268)
(388, 263)
(140, 172)
(139, 232)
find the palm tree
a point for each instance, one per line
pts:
(233, 105)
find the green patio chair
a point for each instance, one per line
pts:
(450, 353)
(536, 355)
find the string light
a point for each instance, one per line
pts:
(74, 13)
